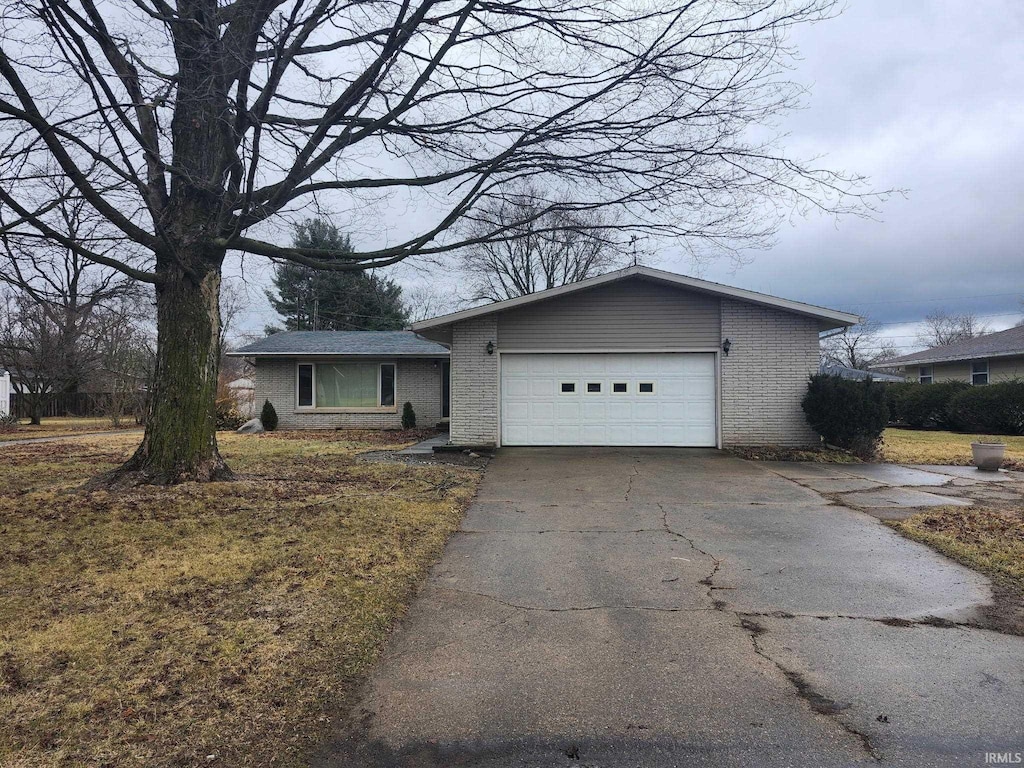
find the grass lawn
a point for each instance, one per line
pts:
(914, 446)
(59, 426)
(221, 624)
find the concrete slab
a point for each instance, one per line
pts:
(901, 497)
(912, 678)
(825, 560)
(802, 469)
(838, 484)
(971, 473)
(894, 474)
(624, 608)
(614, 687)
(424, 447)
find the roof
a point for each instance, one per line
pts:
(1002, 344)
(856, 374)
(830, 318)
(349, 343)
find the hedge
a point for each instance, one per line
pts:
(848, 414)
(924, 405)
(995, 409)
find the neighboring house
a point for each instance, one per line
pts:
(243, 392)
(633, 357)
(334, 379)
(856, 374)
(981, 360)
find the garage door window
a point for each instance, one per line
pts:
(568, 387)
(646, 388)
(594, 387)
(620, 388)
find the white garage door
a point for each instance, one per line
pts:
(608, 399)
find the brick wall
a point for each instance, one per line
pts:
(474, 419)
(418, 381)
(765, 375)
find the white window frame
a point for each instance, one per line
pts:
(575, 388)
(586, 387)
(921, 376)
(984, 373)
(612, 391)
(346, 409)
(654, 388)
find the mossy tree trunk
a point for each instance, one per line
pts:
(180, 442)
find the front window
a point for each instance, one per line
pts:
(346, 385)
(979, 372)
(924, 374)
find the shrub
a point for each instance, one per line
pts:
(847, 414)
(894, 393)
(8, 422)
(924, 405)
(996, 409)
(228, 416)
(408, 416)
(268, 416)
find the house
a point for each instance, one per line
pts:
(634, 357)
(855, 374)
(339, 379)
(981, 360)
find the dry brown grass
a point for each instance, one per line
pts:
(991, 540)
(62, 426)
(162, 626)
(915, 446)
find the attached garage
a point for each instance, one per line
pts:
(636, 357)
(609, 399)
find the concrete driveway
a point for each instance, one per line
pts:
(652, 607)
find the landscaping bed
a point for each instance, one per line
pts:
(221, 624)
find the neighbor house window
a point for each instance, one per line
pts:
(346, 385)
(979, 372)
(924, 374)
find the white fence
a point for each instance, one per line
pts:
(5, 394)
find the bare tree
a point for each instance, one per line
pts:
(550, 248)
(859, 346)
(191, 127)
(426, 301)
(127, 355)
(942, 328)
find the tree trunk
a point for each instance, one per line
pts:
(37, 413)
(180, 442)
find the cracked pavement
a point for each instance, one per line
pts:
(665, 607)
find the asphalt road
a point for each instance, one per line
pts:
(643, 608)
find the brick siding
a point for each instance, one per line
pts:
(418, 381)
(765, 375)
(474, 413)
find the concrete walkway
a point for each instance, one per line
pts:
(643, 608)
(425, 447)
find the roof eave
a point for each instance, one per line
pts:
(809, 310)
(412, 355)
(947, 359)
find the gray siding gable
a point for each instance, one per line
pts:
(627, 315)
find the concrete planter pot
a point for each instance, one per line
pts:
(988, 456)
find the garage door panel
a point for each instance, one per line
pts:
(680, 410)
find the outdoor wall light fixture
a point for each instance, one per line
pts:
(726, 346)
(490, 347)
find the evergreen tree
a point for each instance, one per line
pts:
(336, 301)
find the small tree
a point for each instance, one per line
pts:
(408, 416)
(942, 328)
(268, 416)
(848, 414)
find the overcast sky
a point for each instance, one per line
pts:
(923, 95)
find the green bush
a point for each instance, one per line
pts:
(408, 416)
(268, 416)
(924, 405)
(847, 414)
(893, 396)
(995, 409)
